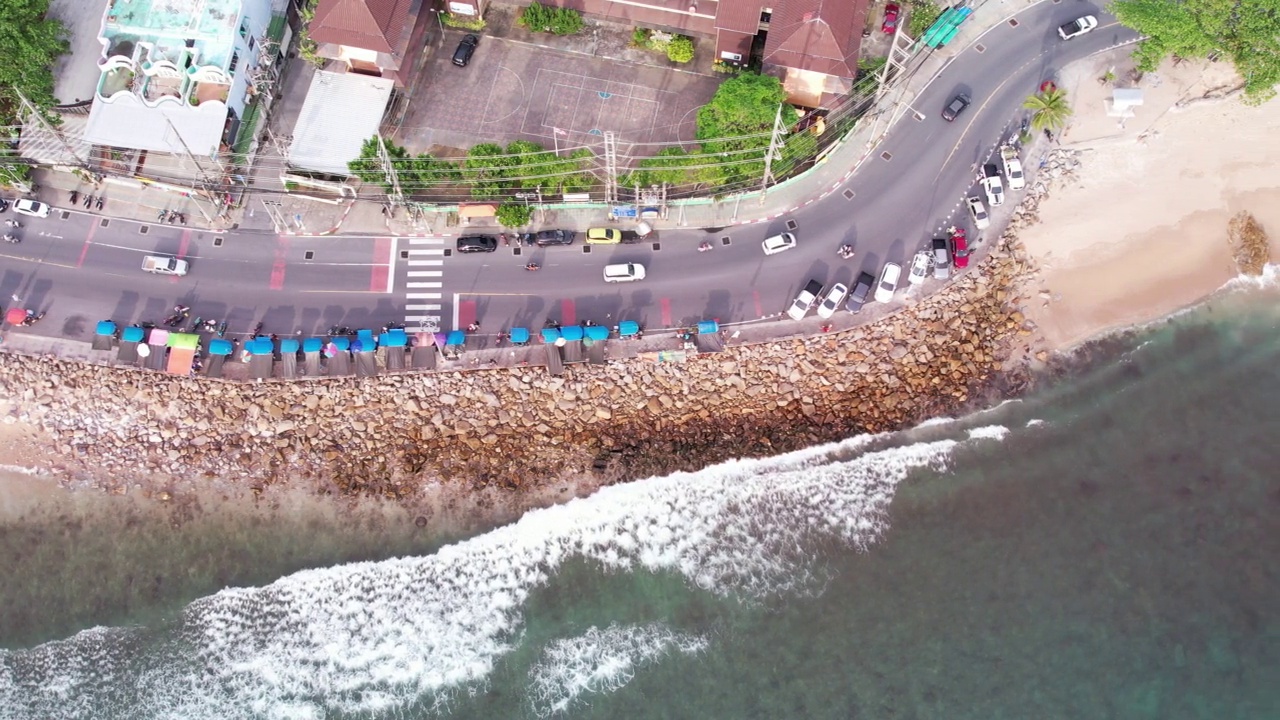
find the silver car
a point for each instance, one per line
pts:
(888, 282)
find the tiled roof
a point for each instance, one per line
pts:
(818, 35)
(366, 24)
(739, 15)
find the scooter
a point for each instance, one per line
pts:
(175, 320)
(75, 197)
(13, 224)
(845, 252)
(705, 246)
(32, 318)
(210, 325)
(532, 267)
(195, 324)
(88, 200)
(100, 201)
(222, 328)
(11, 238)
(182, 218)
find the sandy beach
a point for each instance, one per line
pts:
(1143, 233)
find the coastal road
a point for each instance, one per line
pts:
(82, 270)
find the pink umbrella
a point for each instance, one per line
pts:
(15, 316)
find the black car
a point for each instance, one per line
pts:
(462, 55)
(477, 243)
(554, 237)
(861, 291)
(4, 205)
(955, 107)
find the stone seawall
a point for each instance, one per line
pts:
(516, 426)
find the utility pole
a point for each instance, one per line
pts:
(205, 181)
(778, 132)
(394, 196)
(277, 217)
(610, 169)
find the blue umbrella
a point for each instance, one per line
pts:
(288, 345)
(628, 327)
(133, 333)
(456, 337)
(571, 333)
(393, 338)
(312, 344)
(550, 335)
(106, 327)
(218, 346)
(707, 327)
(598, 332)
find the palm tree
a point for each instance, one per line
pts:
(1049, 109)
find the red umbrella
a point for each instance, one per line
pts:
(15, 316)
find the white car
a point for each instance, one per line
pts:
(805, 300)
(919, 268)
(1012, 168)
(34, 208)
(1077, 27)
(979, 212)
(778, 243)
(623, 272)
(831, 302)
(888, 282)
(992, 186)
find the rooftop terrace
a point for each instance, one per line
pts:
(186, 18)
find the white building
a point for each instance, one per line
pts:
(177, 75)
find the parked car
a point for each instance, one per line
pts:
(955, 107)
(1077, 27)
(861, 291)
(477, 243)
(959, 250)
(34, 208)
(777, 243)
(941, 259)
(623, 272)
(604, 236)
(805, 300)
(979, 212)
(919, 268)
(888, 282)
(890, 23)
(992, 186)
(554, 237)
(831, 302)
(462, 55)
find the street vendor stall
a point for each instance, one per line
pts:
(395, 343)
(182, 352)
(104, 336)
(129, 339)
(219, 351)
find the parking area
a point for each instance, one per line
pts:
(512, 91)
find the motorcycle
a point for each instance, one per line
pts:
(222, 328)
(100, 201)
(533, 267)
(13, 224)
(175, 320)
(88, 200)
(257, 330)
(705, 246)
(173, 216)
(195, 324)
(182, 218)
(845, 252)
(160, 217)
(210, 325)
(32, 318)
(11, 238)
(75, 197)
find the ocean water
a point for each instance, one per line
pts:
(1104, 548)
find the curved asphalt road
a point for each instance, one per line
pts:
(81, 271)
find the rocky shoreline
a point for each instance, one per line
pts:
(520, 429)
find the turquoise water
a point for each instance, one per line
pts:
(1103, 549)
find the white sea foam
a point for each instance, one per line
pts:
(1035, 422)
(600, 661)
(988, 432)
(410, 632)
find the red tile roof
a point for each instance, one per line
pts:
(818, 35)
(741, 16)
(376, 25)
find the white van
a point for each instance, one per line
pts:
(623, 272)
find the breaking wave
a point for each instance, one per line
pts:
(408, 635)
(600, 661)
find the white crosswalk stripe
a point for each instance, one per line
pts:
(424, 260)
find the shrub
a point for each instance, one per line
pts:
(728, 68)
(680, 49)
(558, 21)
(640, 38)
(514, 215)
(465, 22)
(924, 13)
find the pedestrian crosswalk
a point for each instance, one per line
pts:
(424, 282)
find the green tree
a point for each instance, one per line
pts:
(32, 43)
(485, 168)
(680, 49)
(1248, 33)
(1049, 109)
(735, 128)
(514, 214)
